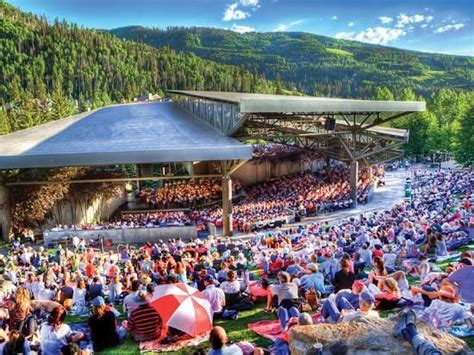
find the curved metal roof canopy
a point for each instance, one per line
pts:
(119, 134)
(343, 129)
(265, 103)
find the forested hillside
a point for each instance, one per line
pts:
(49, 71)
(317, 65)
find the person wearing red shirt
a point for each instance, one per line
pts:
(90, 269)
(276, 264)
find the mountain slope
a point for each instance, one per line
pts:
(39, 59)
(315, 64)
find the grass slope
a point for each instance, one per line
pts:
(237, 330)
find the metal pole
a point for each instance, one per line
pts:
(353, 182)
(5, 215)
(227, 205)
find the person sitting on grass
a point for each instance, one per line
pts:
(214, 295)
(313, 280)
(103, 326)
(445, 310)
(218, 340)
(145, 323)
(344, 278)
(15, 344)
(55, 334)
(280, 346)
(343, 300)
(366, 305)
(390, 295)
(286, 293)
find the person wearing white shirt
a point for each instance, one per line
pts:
(365, 255)
(54, 334)
(232, 285)
(214, 295)
(389, 259)
(445, 311)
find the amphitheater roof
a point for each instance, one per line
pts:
(120, 134)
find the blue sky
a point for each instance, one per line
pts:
(432, 26)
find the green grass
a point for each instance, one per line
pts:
(340, 52)
(237, 330)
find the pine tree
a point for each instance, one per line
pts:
(464, 152)
(62, 105)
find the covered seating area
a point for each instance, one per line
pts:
(206, 126)
(346, 130)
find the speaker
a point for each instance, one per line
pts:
(330, 124)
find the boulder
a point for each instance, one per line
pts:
(367, 335)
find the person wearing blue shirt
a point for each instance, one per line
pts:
(295, 269)
(313, 280)
(330, 267)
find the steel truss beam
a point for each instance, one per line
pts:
(89, 181)
(350, 140)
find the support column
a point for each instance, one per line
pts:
(353, 181)
(369, 172)
(227, 205)
(5, 216)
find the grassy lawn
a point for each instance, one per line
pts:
(340, 52)
(237, 330)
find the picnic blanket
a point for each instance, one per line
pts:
(154, 345)
(461, 331)
(271, 329)
(447, 257)
(84, 328)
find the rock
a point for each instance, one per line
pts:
(367, 336)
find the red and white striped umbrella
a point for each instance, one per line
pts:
(183, 307)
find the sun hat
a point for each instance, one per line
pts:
(313, 267)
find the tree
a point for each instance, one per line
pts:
(4, 124)
(62, 105)
(383, 94)
(464, 151)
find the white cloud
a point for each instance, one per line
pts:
(377, 35)
(334, 18)
(283, 27)
(233, 13)
(251, 3)
(424, 25)
(404, 20)
(242, 29)
(350, 24)
(455, 27)
(385, 19)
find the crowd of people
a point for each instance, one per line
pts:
(271, 203)
(185, 193)
(339, 272)
(264, 205)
